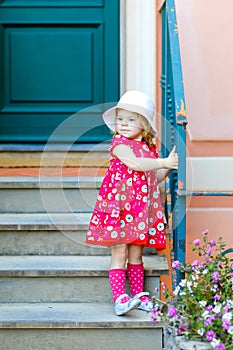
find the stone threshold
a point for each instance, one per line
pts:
(53, 147)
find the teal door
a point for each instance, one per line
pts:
(57, 57)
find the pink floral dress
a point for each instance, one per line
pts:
(128, 208)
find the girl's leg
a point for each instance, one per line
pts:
(136, 276)
(117, 277)
(117, 273)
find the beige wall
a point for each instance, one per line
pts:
(138, 59)
(207, 54)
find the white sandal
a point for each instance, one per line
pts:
(123, 308)
(145, 305)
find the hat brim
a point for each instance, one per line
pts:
(110, 116)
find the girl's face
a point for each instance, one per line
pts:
(128, 124)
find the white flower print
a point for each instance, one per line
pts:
(115, 213)
(123, 197)
(159, 214)
(114, 234)
(117, 176)
(142, 236)
(141, 225)
(145, 147)
(129, 218)
(152, 231)
(127, 206)
(144, 188)
(95, 220)
(117, 197)
(122, 223)
(155, 195)
(129, 181)
(160, 226)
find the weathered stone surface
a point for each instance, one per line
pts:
(51, 194)
(69, 326)
(173, 342)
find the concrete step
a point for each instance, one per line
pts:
(66, 278)
(48, 194)
(47, 234)
(69, 326)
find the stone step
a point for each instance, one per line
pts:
(48, 234)
(66, 278)
(48, 194)
(69, 326)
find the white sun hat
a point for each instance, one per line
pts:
(133, 101)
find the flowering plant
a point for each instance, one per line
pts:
(201, 306)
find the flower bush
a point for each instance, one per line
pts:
(201, 306)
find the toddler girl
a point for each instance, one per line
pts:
(128, 213)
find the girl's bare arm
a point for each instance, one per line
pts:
(161, 174)
(126, 155)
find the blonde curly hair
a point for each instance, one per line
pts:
(148, 132)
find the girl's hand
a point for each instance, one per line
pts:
(171, 162)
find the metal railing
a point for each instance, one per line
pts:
(174, 126)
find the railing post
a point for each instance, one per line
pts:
(174, 125)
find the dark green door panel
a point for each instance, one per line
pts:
(57, 58)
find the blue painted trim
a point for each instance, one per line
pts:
(174, 128)
(180, 107)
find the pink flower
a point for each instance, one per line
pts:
(197, 242)
(215, 276)
(172, 311)
(226, 324)
(208, 251)
(210, 335)
(175, 264)
(195, 263)
(220, 347)
(207, 260)
(205, 232)
(212, 244)
(217, 297)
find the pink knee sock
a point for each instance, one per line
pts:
(117, 278)
(136, 280)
